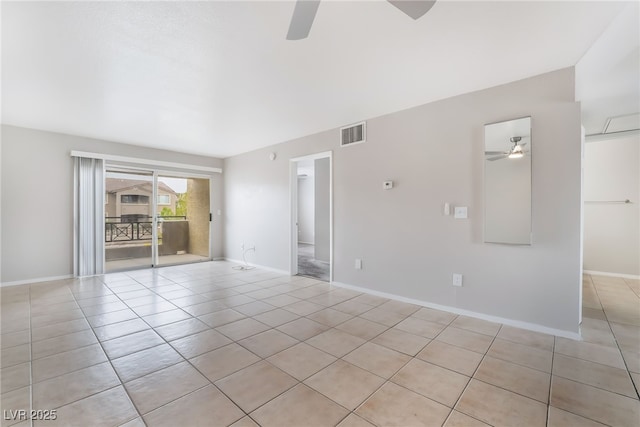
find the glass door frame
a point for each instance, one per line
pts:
(186, 175)
(155, 173)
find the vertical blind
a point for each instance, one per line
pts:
(88, 247)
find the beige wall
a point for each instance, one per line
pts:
(198, 216)
(110, 208)
(434, 154)
(131, 208)
(37, 171)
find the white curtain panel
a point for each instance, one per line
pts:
(88, 248)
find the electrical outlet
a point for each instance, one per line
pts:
(358, 264)
(457, 279)
(387, 185)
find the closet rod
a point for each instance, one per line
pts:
(625, 201)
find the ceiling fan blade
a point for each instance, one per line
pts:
(493, 159)
(413, 8)
(493, 153)
(302, 19)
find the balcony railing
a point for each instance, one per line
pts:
(118, 230)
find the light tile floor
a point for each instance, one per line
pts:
(204, 344)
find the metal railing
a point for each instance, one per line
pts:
(116, 230)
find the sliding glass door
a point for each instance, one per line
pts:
(155, 219)
(129, 220)
(183, 220)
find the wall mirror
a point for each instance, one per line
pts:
(507, 182)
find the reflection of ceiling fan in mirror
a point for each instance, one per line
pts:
(517, 151)
(305, 11)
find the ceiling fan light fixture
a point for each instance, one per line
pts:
(516, 152)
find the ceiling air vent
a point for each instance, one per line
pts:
(354, 134)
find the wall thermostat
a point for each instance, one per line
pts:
(387, 185)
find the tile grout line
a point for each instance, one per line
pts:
(553, 357)
(203, 375)
(298, 382)
(149, 373)
(261, 359)
(471, 377)
(567, 410)
(166, 342)
(403, 366)
(76, 370)
(624, 360)
(185, 360)
(109, 359)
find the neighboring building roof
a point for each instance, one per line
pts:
(117, 185)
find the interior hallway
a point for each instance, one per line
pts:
(204, 344)
(309, 266)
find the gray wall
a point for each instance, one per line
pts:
(612, 231)
(322, 208)
(37, 198)
(306, 209)
(434, 154)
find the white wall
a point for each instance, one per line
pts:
(434, 153)
(323, 212)
(612, 231)
(37, 198)
(306, 209)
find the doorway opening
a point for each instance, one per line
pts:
(611, 213)
(311, 210)
(155, 219)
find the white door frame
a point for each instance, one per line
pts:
(293, 229)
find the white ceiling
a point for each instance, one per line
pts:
(608, 75)
(219, 78)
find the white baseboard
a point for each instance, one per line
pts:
(36, 280)
(605, 273)
(510, 322)
(262, 267)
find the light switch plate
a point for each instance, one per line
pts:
(460, 212)
(457, 279)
